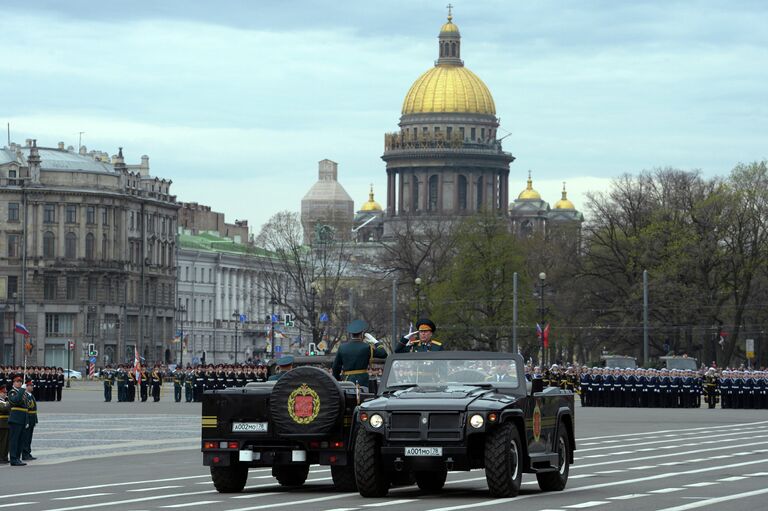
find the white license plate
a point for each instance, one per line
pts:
(249, 427)
(423, 451)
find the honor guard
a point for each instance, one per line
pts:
(155, 382)
(353, 359)
(108, 379)
(17, 421)
(420, 340)
(284, 365)
(189, 385)
(178, 383)
(5, 410)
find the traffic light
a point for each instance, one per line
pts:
(91, 350)
(288, 319)
(312, 349)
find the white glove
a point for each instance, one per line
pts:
(371, 339)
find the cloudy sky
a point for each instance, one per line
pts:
(238, 100)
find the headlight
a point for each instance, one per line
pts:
(376, 420)
(476, 421)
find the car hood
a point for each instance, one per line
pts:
(451, 397)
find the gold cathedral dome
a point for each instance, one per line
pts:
(564, 203)
(529, 192)
(449, 87)
(371, 205)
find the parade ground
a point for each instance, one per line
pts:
(146, 456)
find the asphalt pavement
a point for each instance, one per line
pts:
(146, 456)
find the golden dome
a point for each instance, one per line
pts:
(371, 205)
(529, 192)
(564, 203)
(448, 88)
(449, 27)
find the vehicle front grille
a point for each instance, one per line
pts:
(405, 420)
(444, 421)
(426, 426)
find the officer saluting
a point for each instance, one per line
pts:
(424, 342)
(354, 357)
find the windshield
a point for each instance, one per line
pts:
(500, 372)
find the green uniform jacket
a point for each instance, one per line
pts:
(418, 346)
(31, 408)
(353, 359)
(18, 413)
(5, 409)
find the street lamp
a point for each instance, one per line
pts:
(542, 278)
(417, 282)
(236, 316)
(182, 312)
(313, 319)
(272, 301)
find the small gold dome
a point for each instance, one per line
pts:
(449, 88)
(564, 203)
(529, 192)
(449, 27)
(371, 205)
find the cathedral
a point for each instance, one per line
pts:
(446, 160)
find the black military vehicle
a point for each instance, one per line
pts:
(449, 410)
(304, 418)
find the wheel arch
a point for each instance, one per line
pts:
(565, 420)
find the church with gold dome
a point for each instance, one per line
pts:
(446, 161)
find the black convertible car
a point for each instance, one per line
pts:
(450, 410)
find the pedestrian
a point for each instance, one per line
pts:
(29, 397)
(354, 357)
(17, 421)
(5, 409)
(420, 340)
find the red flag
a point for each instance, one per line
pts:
(545, 336)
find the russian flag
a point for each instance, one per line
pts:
(21, 329)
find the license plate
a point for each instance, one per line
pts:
(423, 451)
(249, 427)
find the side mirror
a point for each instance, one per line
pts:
(537, 385)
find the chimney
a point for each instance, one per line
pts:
(118, 161)
(34, 162)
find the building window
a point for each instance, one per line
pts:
(433, 180)
(89, 246)
(70, 246)
(13, 211)
(73, 285)
(415, 193)
(472, 133)
(132, 221)
(13, 245)
(13, 286)
(49, 244)
(49, 288)
(448, 132)
(70, 215)
(49, 213)
(462, 192)
(59, 325)
(90, 215)
(104, 216)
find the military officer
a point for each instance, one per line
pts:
(29, 398)
(189, 385)
(17, 421)
(421, 340)
(108, 377)
(353, 358)
(155, 382)
(5, 409)
(284, 364)
(178, 383)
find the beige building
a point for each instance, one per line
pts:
(87, 256)
(327, 210)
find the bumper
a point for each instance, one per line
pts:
(452, 458)
(267, 457)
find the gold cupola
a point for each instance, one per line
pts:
(371, 205)
(529, 192)
(564, 203)
(449, 87)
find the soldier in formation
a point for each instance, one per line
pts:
(48, 381)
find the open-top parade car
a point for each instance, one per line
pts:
(443, 411)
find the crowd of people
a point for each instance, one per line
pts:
(48, 381)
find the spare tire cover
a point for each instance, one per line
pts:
(306, 401)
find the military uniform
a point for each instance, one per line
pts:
(353, 358)
(285, 363)
(26, 447)
(5, 409)
(108, 377)
(156, 381)
(405, 345)
(189, 386)
(178, 383)
(17, 423)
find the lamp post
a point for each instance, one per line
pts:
(542, 278)
(236, 316)
(182, 312)
(417, 282)
(313, 318)
(272, 301)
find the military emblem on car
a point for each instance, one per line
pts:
(303, 404)
(536, 422)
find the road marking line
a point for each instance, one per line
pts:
(132, 501)
(642, 467)
(629, 496)
(666, 490)
(700, 485)
(109, 485)
(82, 496)
(192, 504)
(709, 502)
(17, 504)
(254, 495)
(343, 509)
(610, 471)
(389, 503)
(757, 474)
(157, 488)
(581, 476)
(294, 502)
(734, 478)
(591, 503)
(721, 438)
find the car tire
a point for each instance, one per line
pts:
(327, 400)
(372, 480)
(556, 481)
(344, 477)
(431, 481)
(229, 479)
(503, 461)
(290, 475)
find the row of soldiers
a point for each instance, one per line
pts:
(48, 381)
(660, 388)
(127, 379)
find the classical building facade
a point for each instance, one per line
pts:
(530, 214)
(446, 160)
(224, 307)
(87, 256)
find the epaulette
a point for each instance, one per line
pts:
(437, 342)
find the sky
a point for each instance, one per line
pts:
(237, 100)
